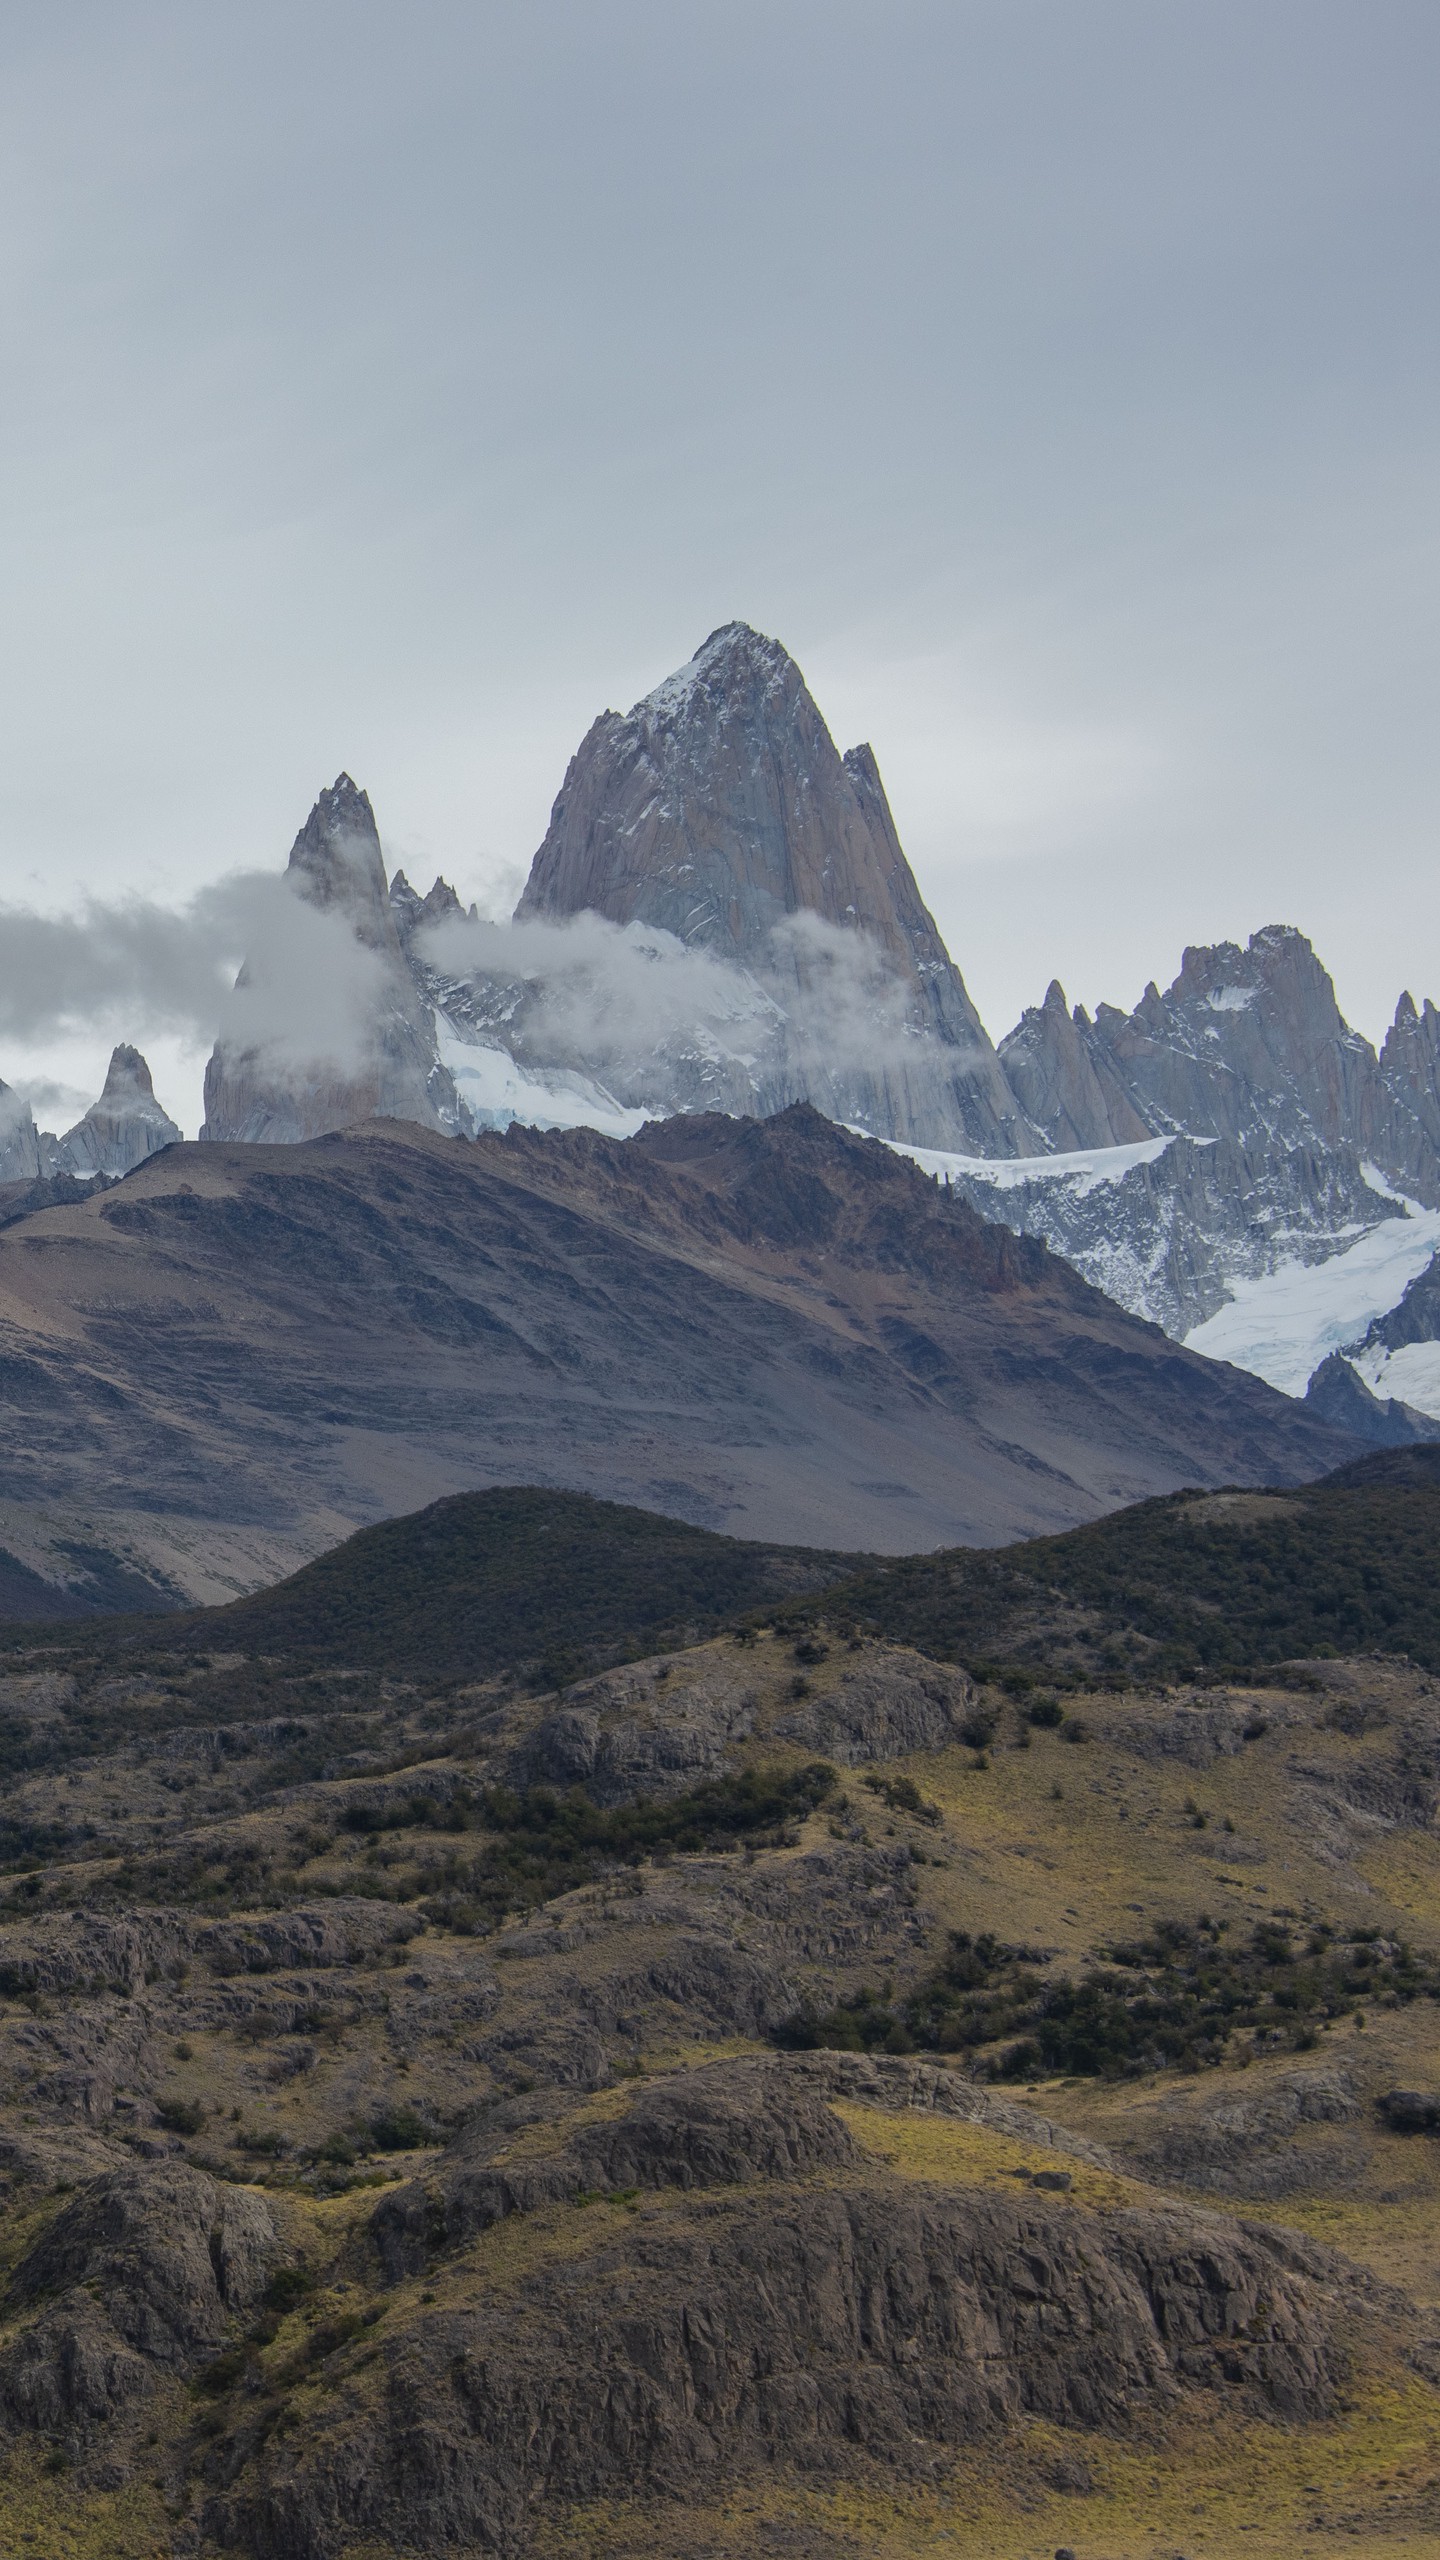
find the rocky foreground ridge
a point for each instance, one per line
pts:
(423, 2124)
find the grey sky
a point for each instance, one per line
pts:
(394, 387)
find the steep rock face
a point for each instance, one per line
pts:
(1287, 1133)
(117, 1133)
(1066, 1081)
(125, 1126)
(1405, 1106)
(1249, 1045)
(1244, 1045)
(20, 1157)
(409, 911)
(1169, 1235)
(720, 811)
(278, 1094)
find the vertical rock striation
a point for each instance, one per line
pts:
(1246, 1045)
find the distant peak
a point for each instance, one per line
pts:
(343, 810)
(128, 1073)
(1276, 937)
(336, 858)
(1055, 1000)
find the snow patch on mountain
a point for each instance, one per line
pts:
(1412, 1373)
(497, 1090)
(1283, 1323)
(1081, 1171)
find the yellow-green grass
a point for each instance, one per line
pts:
(1366, 2483)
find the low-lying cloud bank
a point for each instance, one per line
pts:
(254, 965)
(583, 992)
(245, 961)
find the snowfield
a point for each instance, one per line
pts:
(1083, 1171)
(1412, 1373)
(1284, 1325)
(498, 1091)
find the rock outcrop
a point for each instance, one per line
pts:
(138, 2280)
(1338, 1395)
(791, 2303)
(636, 1733)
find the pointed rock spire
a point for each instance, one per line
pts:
(125, 1126)
(276, 1091)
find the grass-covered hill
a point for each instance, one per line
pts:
(393, 2053)
(484, 1582)
(1191, 1585)
(550, 1585)
(513, 1579)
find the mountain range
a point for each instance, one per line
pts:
(772, 1327)
(721, 917)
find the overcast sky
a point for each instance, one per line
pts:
(394, 387)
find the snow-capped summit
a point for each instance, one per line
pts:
(719, 810)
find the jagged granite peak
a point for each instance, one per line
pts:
(411, 911)
(719, 806)
(1059, 1071)
(20, 1143)
(1244, 1044)
(718, 810)
(1407, 1105)
(336, 861)
(125, 1126)
(275, 1093)
(1278, 1138)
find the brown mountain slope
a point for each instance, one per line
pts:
(770, 1327)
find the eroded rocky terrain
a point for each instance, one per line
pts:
(421, 2129)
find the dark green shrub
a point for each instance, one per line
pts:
(180, 2115)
